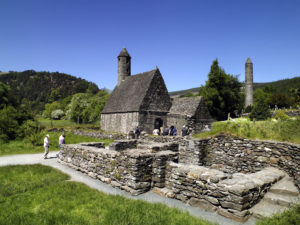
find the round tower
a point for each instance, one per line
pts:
(124, 65)
(248, 83)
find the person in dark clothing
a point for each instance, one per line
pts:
(137, 133)
(184, 131)
(171, 130)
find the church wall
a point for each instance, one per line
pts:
(147, 120)
(119, 122)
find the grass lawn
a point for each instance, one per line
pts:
(65, 123)
(23, 146)
(285, 130)
(36, 194)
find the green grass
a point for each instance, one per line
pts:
(287, 130)
(23, 146)
(65, 124)
(288, 217)
(47, 199)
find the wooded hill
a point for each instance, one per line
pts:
(35, 89)
(280, 86)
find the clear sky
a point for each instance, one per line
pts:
(182, 37)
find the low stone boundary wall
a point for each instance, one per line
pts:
(133, 170)
(232, 154)
(231, 196)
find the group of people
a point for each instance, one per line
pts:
(171, 131)
(61, 140)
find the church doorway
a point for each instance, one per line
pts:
(158, 123)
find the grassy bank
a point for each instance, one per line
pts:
(24, 146)
(285, 130)
(38, 194)
(288, 217)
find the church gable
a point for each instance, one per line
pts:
(130, 94)
(157, 97)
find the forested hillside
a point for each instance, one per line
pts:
(35, 89)
(281, 86)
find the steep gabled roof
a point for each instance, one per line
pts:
(129, 95)
(185, 106)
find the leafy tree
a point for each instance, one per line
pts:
(221, 93)
(86, 108)
(49, 108)
(261, 94)
(57, 114)
(260, 110)
(281, 100)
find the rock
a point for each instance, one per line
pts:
(203, 204)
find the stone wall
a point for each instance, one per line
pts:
(224, 173)
(232, 154)
(230, 195)
(121, 122)
(147, 120)
(122, 165)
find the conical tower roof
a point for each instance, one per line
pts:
(248, 60)
(124, 53)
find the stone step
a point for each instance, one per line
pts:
(266, 209)
(285, 186)
(280, 199)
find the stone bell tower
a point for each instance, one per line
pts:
(124, 66)
(248, 82)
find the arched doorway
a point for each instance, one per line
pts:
(158, 123)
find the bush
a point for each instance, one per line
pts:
(260, 111)
(31, 130)
(248, 109)
(281, 115)
(57, 114)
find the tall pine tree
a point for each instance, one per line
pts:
(221, 93)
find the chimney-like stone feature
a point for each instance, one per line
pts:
(124, 66)
(248, 83)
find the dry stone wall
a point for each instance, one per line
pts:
(232, 154)
(224, 173)
(230, 195)
(122, 165)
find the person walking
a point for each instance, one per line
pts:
(61, 141)
(46, 145)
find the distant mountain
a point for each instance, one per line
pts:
(35, 89)
(281, 86)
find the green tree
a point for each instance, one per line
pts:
(49, 108)
(85, 107)
(281, 100)
(221, 93)
(260, 110)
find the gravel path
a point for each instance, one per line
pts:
(97, 184)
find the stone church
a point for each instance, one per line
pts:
(143, 100)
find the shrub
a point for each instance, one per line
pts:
(57, 114)
(260, 111)
(31, 130)
(248, 109)
(281, 115)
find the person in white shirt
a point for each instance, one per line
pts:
(61, 141)
(46, 145)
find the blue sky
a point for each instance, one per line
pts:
(84, 37)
